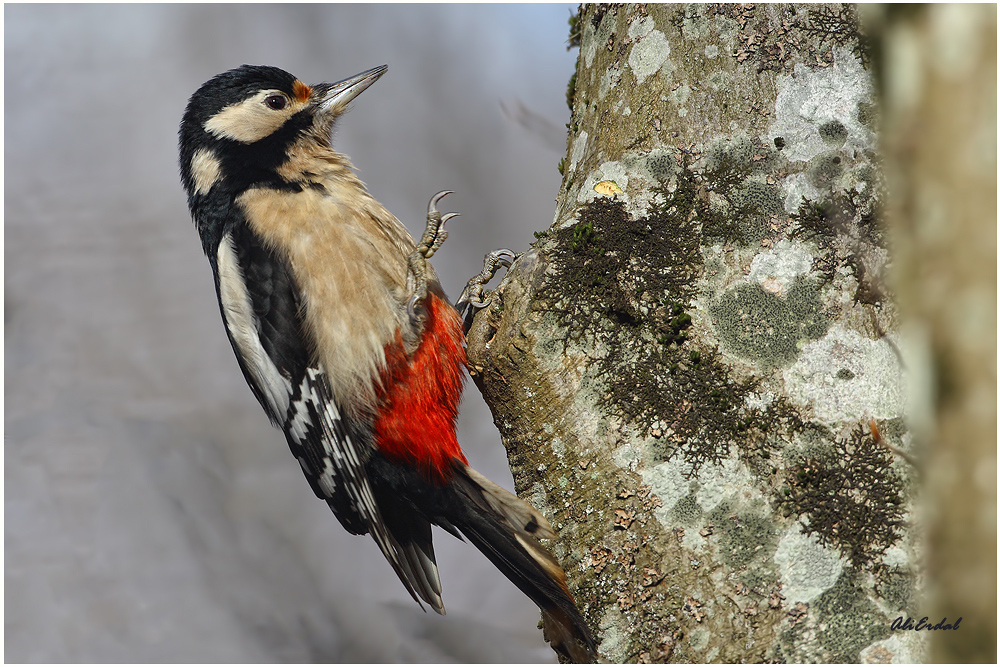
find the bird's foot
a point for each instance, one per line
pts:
(474, 296)
(434, 235)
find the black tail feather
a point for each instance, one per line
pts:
(501, 526)
(565, 628)
(412, 535)
(528, 565)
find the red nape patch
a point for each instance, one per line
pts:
(420, 395)
(301, 91)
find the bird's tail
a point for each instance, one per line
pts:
(506, 530)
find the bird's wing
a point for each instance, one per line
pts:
(260, 305)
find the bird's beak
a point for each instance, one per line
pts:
(334, 97)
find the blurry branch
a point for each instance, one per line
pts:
(938, 75)
(536, 125)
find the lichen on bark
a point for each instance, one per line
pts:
(688, 357)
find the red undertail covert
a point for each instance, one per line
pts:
(419, 397)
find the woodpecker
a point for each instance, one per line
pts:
(346, 338)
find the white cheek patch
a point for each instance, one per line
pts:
(250, 120)
(238, 312)
(206, 170)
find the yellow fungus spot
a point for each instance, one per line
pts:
(607, 188)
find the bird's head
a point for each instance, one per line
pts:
(239, 126)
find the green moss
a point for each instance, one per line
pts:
(850, 498)
(584, 238)
(626, 285)
(735, 169)
(575, 30)
(677, 326)
(571, 91)
(766, 328)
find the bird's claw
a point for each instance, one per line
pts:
(474, 296)
(430, 242)
(434, 233)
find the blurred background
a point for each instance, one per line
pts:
(152, 514)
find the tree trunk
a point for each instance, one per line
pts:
(695, 369)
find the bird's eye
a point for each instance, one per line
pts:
(276, 102)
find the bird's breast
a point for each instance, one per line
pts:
(348, 257)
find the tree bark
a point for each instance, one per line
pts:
(695, 369)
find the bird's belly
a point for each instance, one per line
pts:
(350, 281)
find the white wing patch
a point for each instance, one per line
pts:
(238, 313)
(340, 473)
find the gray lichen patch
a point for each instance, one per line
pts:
(669, 481)
(650, 49)
(848, 620)
(597, 31)
(640, 27)
(761, 199)
(719, 80)
(609, 79)
(612, 645)
(685, 512)
(746, 542)
(837, 626)
(845, 377)
(578, 150)
(777, 268)
(834, 133)
(902, 648)
(680, 94)
(739, 155)
(824, 170)
(812, 99)
(798, 189)
(765, 328)
(806, 567)
(727, 481)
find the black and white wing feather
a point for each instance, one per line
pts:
(260, 305)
